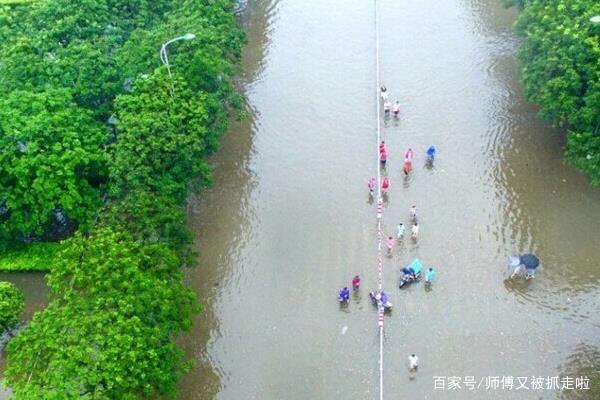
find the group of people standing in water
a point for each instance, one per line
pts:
(388, 107)
(381, 298)
(414, 231)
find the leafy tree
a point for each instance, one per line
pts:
(12, 304)
(12, 17)
(560, 56)
(52, 161)
(108, 332)
(161, 139)
(68, 43)
(118, 297)
(151, 217)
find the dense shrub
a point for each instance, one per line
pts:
(95, 134)
(108, 333)
(560, 56)
(12, 304)
(53, 161)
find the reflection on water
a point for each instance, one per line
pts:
(289, 221)
(582, 362)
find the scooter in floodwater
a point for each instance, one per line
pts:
(376, 299)
(411, 273)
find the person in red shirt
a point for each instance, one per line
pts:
(385, 185)
(408, 156)
(356, 282)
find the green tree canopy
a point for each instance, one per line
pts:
(72, 44)
(118, 299)
(52, 159)
(161, 139)
(108, 332)
(560, 55)
(12, 304)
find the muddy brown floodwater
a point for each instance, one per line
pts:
(288, 221)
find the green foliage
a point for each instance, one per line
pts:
(151, 218)
(12, 304)
(52, 160)
(560, 55)
(161, 138)
(108, 332)
(12, 18)
(85, 54)
(118, 298)
(16, 2)
(71, 44)
(31, 257)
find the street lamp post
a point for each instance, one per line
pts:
(164, 57)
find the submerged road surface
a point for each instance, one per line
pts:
(289, 220)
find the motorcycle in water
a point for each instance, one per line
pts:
(411, 273)
(376, 299)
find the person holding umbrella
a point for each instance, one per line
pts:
(524, 265)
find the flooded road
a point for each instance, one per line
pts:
(289, 220)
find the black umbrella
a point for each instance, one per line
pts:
(529, 261)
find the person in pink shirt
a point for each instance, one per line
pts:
(408, 157)
(356, 282)
(371, 185)
(383, 157)
(385, 185)
(390, 244)
(382, 146)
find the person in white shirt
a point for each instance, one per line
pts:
(415, 231)
(387, 106)
(401, 230)
(384, 94)
(396, 109)
(412, 213)
(413, 363)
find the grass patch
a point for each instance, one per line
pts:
(15, 2)
(31, 257)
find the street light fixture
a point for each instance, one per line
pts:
(165, 58)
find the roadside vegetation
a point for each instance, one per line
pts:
(99, 150)
(12, 304)
(560, 58)
(29, 257)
